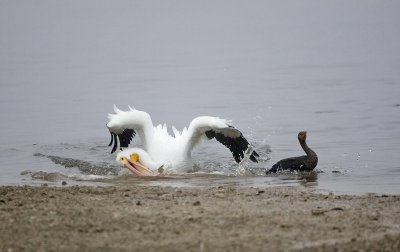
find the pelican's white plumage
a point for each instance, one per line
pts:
(160, 149)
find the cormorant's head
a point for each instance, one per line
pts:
(302, 135)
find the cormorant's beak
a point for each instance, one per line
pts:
(137, 168)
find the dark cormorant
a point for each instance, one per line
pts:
(302, 163)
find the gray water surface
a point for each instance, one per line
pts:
(273, 67)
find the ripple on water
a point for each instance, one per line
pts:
(83, 166)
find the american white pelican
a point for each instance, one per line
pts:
(162, 151)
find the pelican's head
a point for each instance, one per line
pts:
(302, 135)
(139, 162)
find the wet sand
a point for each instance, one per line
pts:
(141, 218)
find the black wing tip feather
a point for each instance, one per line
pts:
(210, 134)
(115, 142)
(123, 138)
(126, 137)
(253, 158)
(238, 146)
(112, 139)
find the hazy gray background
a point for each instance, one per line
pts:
(274, 67)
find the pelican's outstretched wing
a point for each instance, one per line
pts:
(123, 126)
(223, 131)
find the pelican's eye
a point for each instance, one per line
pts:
(122, 158)
(135, 157)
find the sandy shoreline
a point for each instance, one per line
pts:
(140, 218)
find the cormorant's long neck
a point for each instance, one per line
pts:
(310, 153)
(312, 158)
